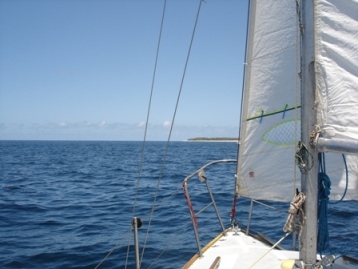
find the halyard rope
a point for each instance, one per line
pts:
(324, 190)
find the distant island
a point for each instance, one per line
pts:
(213, 139)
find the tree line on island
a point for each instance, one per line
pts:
(213, 139)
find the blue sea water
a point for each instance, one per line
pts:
(67, 204)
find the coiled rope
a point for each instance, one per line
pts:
(295, 207)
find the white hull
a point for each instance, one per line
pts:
(240, 251)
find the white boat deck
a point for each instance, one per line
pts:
(240, 251)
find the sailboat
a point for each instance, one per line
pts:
(298, 134)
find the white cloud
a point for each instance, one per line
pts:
(104, 130)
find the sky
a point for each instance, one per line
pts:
(83, 69)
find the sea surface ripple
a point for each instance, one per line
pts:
(67, 204)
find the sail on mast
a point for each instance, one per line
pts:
(271, 113)
(336, 65)
(336, 62)
(270, 124)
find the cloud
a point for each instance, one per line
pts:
(103, 130)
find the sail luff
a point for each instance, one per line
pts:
(241, 187)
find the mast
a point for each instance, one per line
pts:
(308, 248)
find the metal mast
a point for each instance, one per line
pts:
(308, 247)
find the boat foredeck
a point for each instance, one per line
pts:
(242, 251)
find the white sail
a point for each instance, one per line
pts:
(270, 124)
(337, 68)
(270, 117)
(289, 41)
(337, 86)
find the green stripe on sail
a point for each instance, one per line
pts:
(285, 133)
(261, 115)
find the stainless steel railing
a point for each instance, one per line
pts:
(200, 173)
(202, 178)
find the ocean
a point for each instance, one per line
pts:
(68, 204)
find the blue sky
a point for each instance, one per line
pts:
(82, 69)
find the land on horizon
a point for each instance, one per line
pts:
(230, 139)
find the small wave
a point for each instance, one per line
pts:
(13, 187)
(50, 223)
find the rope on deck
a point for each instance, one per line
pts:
(278, 242)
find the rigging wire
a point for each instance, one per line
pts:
(128, 245)
(129, 231)
(140, 168)
(245, 66)
(110, 252)
(159, 206)
(171, 129)
(170, 243)
(148, 111)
